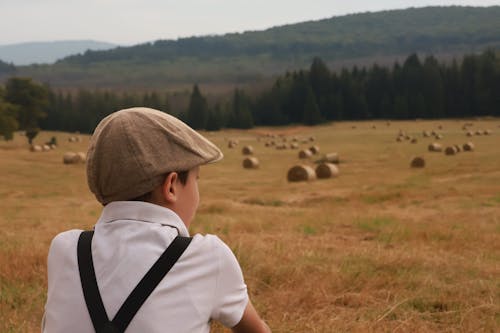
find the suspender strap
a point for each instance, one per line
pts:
(89, 283)
(140, 293)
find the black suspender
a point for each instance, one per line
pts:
(138, 296)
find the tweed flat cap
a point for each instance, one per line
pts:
(131, 150)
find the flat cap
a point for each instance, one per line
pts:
(131, 150)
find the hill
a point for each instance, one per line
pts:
(257, 55)
(47, 52)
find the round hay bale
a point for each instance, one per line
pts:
(327, 170)
(295, 139)
(70, 158)
(53, 146)
(331, 158)
(414, 140)
(294, 145)
(469, 146)
(417, 162)
(45, 147)
(435, 147)
(458, 148)
(312, 138)
(487, 132)
(231, 144)
(267, 144)
(426, 134)
(450, 150)
(407, 137)
(314, 149)
(440, 127)
(305, 153)
(247, 150)
(35, 148)
(82, 157)
(470, 133)
(299, 173)
(399, 138)
(251, 163)
(281, 146)
(438, 136)
(478, 132)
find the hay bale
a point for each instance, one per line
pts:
(35, 148)
(247, 150)
(281, 146)
(450, 150)
(399, 138)
(487, 132)
(251, 163)
(294, 145)
(435, 147)
(299, 173)
(314, 149)
(478, 132)
(82, 157)
(327, 170)
(426, 134)
(232, 144)
(312, 138)
(305, 153)
(45, 147)
(417, 162)
(331, 158)
(469, 133)
(414, 140)
(70, 158)
(458, 148)
(469, 146)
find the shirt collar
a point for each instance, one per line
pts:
(142, 212)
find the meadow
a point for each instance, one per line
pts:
(382, 248)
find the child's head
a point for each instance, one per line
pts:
(133, 153)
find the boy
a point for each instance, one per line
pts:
(143, 166)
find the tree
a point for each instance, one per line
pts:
(197, 113)
(240, 116)
(31, 99)
(8, 121)
(311, 115)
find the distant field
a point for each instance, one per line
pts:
(381, 248)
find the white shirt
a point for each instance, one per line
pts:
(205, 283)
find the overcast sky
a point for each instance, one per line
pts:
(129, 22)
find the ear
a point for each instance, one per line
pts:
(169, 187)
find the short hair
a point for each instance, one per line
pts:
(146, 197)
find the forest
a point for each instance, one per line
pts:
(417, 88)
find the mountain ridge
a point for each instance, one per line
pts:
(47, 52)
(240, 58)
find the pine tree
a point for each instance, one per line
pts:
(197, 113)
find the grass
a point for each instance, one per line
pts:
(381, 248)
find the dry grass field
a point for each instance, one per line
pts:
(381, 248)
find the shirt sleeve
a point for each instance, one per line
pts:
(231, 295)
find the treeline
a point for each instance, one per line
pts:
(414, 89)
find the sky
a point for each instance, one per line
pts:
(129, 22)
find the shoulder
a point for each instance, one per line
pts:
(213, 244)
(65, 239)
(62, 244)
